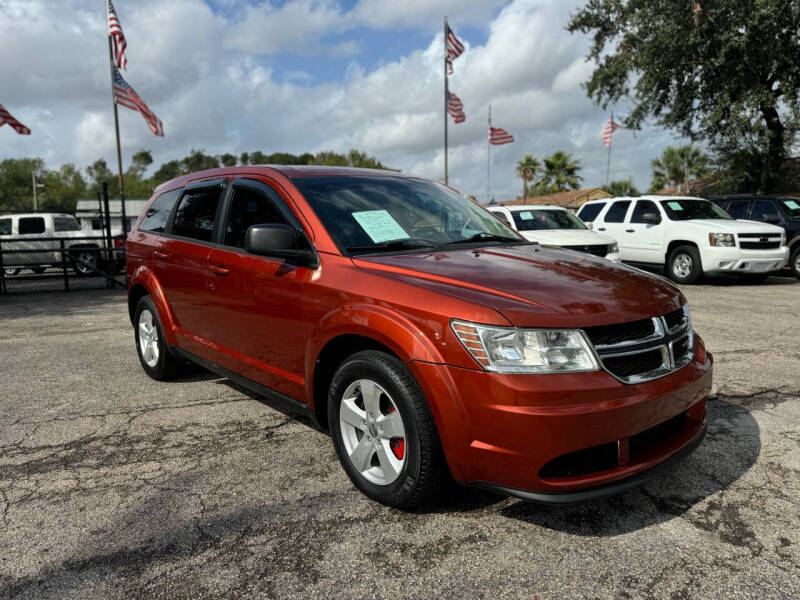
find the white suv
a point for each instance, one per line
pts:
(43, 232)
(690, 236)
(556, 226)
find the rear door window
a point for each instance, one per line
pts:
(249, 207)
(31, 225)
(156, 217)
(763, 209)
(642, 207)
(5, 226)
(737, 209)
(617, 212)
(589, 212)
(196, 213)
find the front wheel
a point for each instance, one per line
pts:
(794, 261)
(383, 430)
(684, 266)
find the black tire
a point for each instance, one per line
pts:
(168, 366)
(85, 261)
(794, 261)
(424, 471)
(693, 271)
(38, 270)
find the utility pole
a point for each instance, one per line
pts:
(35, 186)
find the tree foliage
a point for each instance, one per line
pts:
(723, 71)
(677, 164)
(560, 173)
(622, 187)
(527, 169)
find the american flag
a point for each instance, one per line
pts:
(5, 117)
(499, 136)
(455, 108)
(118, 43)
(454, 48)
(609, 130)
(125, 96)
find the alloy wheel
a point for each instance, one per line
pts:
(86, 263)
(373, 432)
(148, 338)
(682, 265)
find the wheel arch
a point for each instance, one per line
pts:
(675, 243)
(143, 283)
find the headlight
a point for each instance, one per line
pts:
(721, 239)
(613, 248)
(510, 350)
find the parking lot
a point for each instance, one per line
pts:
(113, 485)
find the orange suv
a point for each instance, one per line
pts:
(429, 338)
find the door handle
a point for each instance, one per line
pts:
(630, 231)
(601, 229)
(160, 254)
(219, 270)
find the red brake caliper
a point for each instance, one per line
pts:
(398, 446)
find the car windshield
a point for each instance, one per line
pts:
(379, 214)
(684, 209)
(791, 206)
(528, 220)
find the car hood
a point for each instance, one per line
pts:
(533, 285)
(728, 226)
(567, 237)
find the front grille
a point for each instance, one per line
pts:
(645, 349)
(623, 332)
(635, 364)
(596, 249)
(759, 245)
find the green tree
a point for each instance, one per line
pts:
(62, 189)
(227, 160)
(98, 173)
(727, 72)
(622, 187)
(140, 162)
(169, 170)
(244, 158)
(527, 169)
(676, 164)
(198, 160)
(16, 191)
(560, 173)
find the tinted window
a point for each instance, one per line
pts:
(5, 226)
(248, 207)
(98, 224)
(501, 216)
(616, 214)
(684, 209)
(31, 225)
(196, 213)
(589, 212)
(642, 207)
(155, 219)
(737, 209)
(763, 209)
(791, 206)
(66, 224)
(531, 220)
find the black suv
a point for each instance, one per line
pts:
(783, 211)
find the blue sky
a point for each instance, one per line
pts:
(311, 75)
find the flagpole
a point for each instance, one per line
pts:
(116, 130)
(445, 100)
(610, 141)
(489, 159)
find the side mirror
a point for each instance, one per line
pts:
(280, 241)
(651, 218)
(772, 219)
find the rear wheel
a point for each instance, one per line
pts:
(794, 261)
(383, 430)
(154, 353)
(85, 261)
(684, 266)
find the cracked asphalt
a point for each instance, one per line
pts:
(115, 486)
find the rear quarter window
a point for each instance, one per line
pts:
(66, 224)
(156, 217)
(589, 212)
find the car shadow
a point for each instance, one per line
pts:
(731, 447)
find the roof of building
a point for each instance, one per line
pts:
(570, 198)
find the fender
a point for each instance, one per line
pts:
(144, 276)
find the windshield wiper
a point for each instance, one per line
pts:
(400, 244)
(483, 236)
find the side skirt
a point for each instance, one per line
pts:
(287, 403)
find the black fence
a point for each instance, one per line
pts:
(77, 262)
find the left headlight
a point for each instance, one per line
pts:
(613, 248)
(511, 350)
(721, 239)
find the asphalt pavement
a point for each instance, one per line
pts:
(116, 486)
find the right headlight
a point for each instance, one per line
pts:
(511, 350)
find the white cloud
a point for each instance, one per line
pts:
(200, 72)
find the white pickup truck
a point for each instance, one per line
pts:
(42, 233)
(556, 226)
(690, 237)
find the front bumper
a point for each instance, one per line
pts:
(526, 435)
(736, 260)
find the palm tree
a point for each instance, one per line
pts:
(527, 168)
(677, 163)
(560, 173)
(622, 187)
